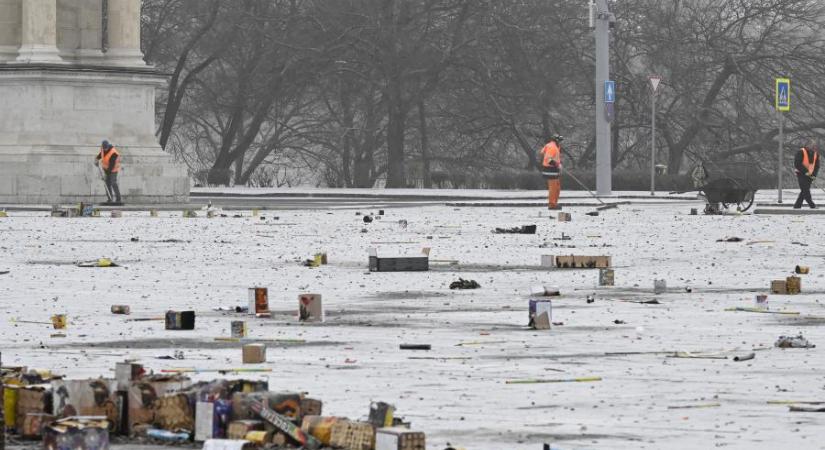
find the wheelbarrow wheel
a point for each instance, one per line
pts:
(747, 202)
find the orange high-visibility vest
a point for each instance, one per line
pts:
(106, 157)
(806, 161)
(551, 152)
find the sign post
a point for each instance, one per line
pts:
(783, 105)
(654, 84)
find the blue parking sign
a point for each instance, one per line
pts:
(609, 91)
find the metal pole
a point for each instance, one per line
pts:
(2, 410)
(604, 163)
(653, 145)
(781, 148)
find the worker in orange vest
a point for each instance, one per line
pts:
(551, 170)
(109, 160)
(806, 165)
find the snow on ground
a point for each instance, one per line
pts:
(456, 392)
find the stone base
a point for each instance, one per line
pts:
(55, 175)
(52, 125)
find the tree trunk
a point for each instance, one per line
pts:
(219, 174)
(396, 124)
(425, 151)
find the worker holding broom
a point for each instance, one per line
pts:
(551, 170)
(109, 159)
(806, 166)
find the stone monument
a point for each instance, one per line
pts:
(63, 92)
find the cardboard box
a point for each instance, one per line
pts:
(258, 301)
(779, 287)
(540, 314)
(238, 329)
(310, 308)
(398, 264)
(399, 439)
(226, 444)
(34, 425)
(77, 434)
(793, 285)
(565, 217)
(125, 374)
(144, 393)
(352, 435)
(180, 320)
(381, 414)
(212, 419)
(606, 277)
(238, 429)
(548, 261)
(32, 400)
(659, 286)
(583, 262)
(285, 403)
(319, 427)
(84, 398)
(173, 412)
(311, 407)
(254, 353)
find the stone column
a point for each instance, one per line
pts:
(39, 36)
(124, 33)
(91, 31)
(9, 29)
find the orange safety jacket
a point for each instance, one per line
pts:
(806, 161)
(551, 155)
(106, 157)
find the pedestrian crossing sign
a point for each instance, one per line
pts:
(783, 94)
(609, 91)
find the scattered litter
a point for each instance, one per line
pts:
(563, 237)
(593, 214)
(659, 286)
(643, 302)
(368, 219)
(607, 277)
(761, 310)
(121, 309)
(310, 308)
(545, 291)
(802, 270)
(793, 342)
(583, 262)
(524, 229)
(285, 425)
(731, 239)
(698, 406)
(415, 347)
(540, 314)
(462, 284)
(761, 301)
(564, 380)
(692, 355)
(793, 402)
(795, 408)
(591, 299)
(747, 357)
(619, 322)
(102, 262)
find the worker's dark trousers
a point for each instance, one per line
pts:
(805, 191)
(111, 184)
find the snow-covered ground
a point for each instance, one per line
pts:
(456, 392)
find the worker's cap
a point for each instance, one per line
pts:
(105, 144)
(558, 138)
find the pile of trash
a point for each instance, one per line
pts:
(171, 409)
